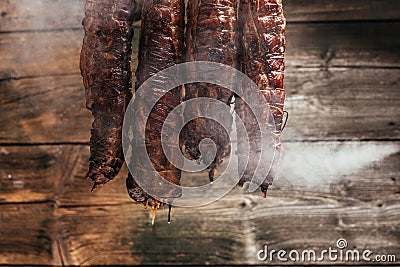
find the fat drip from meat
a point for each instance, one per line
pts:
(161, 46)
(106, 70)
(210, 36)
(262, 41)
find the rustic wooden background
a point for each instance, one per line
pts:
(342, 80)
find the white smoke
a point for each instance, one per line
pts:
(305, 164)
(39, 15)
(324, 163)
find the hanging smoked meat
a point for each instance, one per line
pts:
(262, 41)
(161, 46)
(210, 36)
(106, 69)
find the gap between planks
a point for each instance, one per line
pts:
(326, 68)
(136, 26)
(285, 141)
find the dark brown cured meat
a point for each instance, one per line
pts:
(210, 36)
(262, 27)
(106, 70)
(161, 46)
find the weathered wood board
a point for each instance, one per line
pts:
(341, 10)
(34, 15)
(50, 109)
(27, 234)
(338, 103)
(37, 173)
(202, 235)
(122, 234)
(56, 173)
(342, 103)
(39, 53)
(342, 81)
(351, 45)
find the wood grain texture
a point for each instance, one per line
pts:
(36, 173)
(33, 54)
(126, 236)
(341, 103)
(342, 80)
(364, 226)
(362, 206)
(206, 236)
(27, 235)
(341, 10)
(50, 109)
(330, 104)
(29, 15)
(30, 174)
(34, 15)
(353, 45)
(372, 179)
(39, 53)
(130, 239)
(56, 173)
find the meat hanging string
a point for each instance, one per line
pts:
(161, 46)
(210, 36)
(106, 70)
(262, 41)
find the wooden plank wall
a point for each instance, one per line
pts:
(343, 94)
